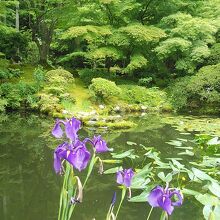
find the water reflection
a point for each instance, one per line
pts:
(29, 188)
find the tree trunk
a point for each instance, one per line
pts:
(43, 52)
(17, 17)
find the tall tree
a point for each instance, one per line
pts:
(42, 17)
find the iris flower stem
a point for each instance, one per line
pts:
(149, 214)
(91, 165)
(164, 216)
(61, 200)
(63, 207)
(90, 168)
(123, 192)
(65, 192)
(109, 212)
(71, 210)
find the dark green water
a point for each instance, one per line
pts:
(29, 188)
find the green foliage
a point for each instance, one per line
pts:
(11, 41)
(3, 104)
(86, 75)
(104, 89)
(9, 73)
(187, 45)
(145, 81)
(142, 35)
(49, 103)
(199, 91)
(6, 72)
(39, 76)
(87, 32)
(172, 46)
(107, 47)
(214, 57)
(54, 90)
(137, 62)
(103, 53)
(20, 95)
(33, 56)
(140, 95)
(207, 145)
(59, 77)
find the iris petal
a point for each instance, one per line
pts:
(58, 156)
(165, 203)
(71, 128)
(57, 130)
(119, 177)
(57, 164)
(154, 196)
(100, 145)
(128, 175)
(79, 158)
(179, 202)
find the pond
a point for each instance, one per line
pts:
(29, 187)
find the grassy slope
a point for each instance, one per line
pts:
(79, 91)
(82, 96)
(27, 76)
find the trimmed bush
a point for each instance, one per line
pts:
(59, 77)
(104, 89)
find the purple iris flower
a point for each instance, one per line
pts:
(80, 156)
(71, 128)
(100, 144)
(160, 197)
(77, 155)
(125, 177)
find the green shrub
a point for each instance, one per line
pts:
(4, 63)
(140, 95)
(86, 75)
(39, 77)
(15, 72)
(49, 103)
(67, 97)
(59, 77)
(33, 56)
(4, 74)
(10, 93)
(178, 93)
(145, 81)
(54, 90)
(3, 104)
(199, 91)
(18, 95)
(104, 89)
(8, 73)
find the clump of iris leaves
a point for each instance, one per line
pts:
(198, 170)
